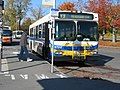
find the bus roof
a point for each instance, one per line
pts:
(41, 20)
(49, 16)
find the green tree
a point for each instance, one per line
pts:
(21, 7)
(10, 14)
(15, 10)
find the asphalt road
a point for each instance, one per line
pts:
(112, 56)
(36, 75)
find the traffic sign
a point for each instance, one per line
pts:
(54, 12)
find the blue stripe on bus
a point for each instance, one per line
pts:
(76, 48)
(69, 48)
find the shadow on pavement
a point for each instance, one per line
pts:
(32, 56)
(77, 84)
(35, 57)
(27, 66)
(11, 57)
(99, 60)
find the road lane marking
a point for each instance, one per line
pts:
(15, 52)
(42, 76)
(61, 75)
(38, 77)
(4, 66)
(24, 76)
(6, 72)
(7, 75)
(12, 77)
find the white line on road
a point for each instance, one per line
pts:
(38, 77)
(42, 76)
(7, 75)
(4, 66)
(15, 52)
(12, 77)
(61, 75)
(24, 76)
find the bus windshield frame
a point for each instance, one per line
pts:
(65, 31)
(87, 30)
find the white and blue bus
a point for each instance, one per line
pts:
(75, 35)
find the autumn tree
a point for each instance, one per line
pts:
(109, 13)
(100, 7)
(114, 19)
(67, 6)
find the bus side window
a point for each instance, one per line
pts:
(39, 34)
(43, 31)
(31, 32)
(36, 31)
(40, 27)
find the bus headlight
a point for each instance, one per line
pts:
(94, 51)
(59, 52)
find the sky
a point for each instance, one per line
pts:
(36, 3)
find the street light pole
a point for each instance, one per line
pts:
(54, 4)
(53, 32)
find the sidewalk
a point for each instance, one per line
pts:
(11, 64)
(36, 75)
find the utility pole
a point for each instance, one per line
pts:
(1, 29)
(53, 33)
(51, 3)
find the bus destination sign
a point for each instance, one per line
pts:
(69, 15)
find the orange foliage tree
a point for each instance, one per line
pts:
(67, 6)
(100, 7)
(114, 15)
(109, 13)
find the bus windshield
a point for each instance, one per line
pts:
(65, 31)
(7, 33)
(87, 31)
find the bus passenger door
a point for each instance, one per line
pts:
(46, 47)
